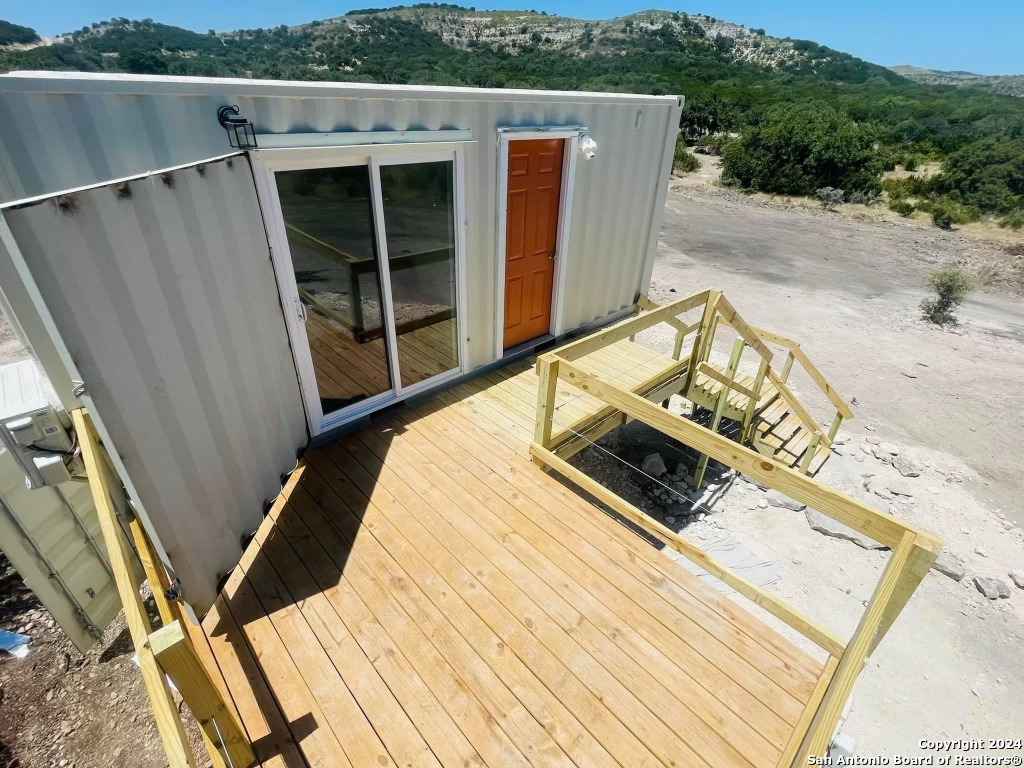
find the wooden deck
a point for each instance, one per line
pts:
(421, 594)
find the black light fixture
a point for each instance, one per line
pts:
(241, 134)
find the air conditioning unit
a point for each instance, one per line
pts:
(34, 428)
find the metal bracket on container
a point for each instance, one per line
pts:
(77, 388)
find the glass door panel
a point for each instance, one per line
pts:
(328, 217)
(418, 202)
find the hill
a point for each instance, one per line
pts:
(735, 79)
(1010, 85)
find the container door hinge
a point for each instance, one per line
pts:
(77, 388)
(300, 310)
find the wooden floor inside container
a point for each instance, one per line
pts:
(422, 595)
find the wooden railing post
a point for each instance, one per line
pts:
(168, 722)
(546, 390)
(177, 658)
(748, 414)
(677, 345)
(812, 446)
(787, 366)
(171, 611)
(834, 429)
(850, 663)
(705, 331)
(723, 396)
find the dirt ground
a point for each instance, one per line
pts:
(62, 709)
(952, 401)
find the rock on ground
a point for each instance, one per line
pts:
(900, 488)
(777, 499)
(837, 530)
(947, 565)
(654, 465)
(907, 466)
(991, 588)
(1017, 577)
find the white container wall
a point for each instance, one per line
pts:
(164, 295)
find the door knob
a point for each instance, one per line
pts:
(551, 255)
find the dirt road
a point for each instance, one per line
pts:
(849, 292)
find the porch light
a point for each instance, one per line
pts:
(588, 147)
(241, 134)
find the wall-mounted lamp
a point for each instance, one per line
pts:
(241, 133)
(588, 147)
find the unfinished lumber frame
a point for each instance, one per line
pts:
(914, 550)
(173, 652)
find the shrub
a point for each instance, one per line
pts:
(901, 206)
(797, 149)
(946, 211)
(860, 197)
(713, 143)
(910, 163)
(941, 217)
(951, 287)
(829, 197)
(684, 161)
(1013, 220)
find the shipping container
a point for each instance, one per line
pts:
(224, 271)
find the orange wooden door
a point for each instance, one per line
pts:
(531, 229)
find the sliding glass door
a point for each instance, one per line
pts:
(371, 263)
(328, 219)
(418, 213)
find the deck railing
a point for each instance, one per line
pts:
(178, 651)
(914, 550)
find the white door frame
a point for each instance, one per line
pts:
(265, 164)
(505, 135)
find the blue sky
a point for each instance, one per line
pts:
(982, 37)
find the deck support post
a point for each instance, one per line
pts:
(168, 722)
(723, 395)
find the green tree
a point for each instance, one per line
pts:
(797, 149)
(15, 33)
(988, 174)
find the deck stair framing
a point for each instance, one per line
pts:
(773, 420)
(914, 550)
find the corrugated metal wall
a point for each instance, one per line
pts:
(52, 537)
(67, 130)
(164, 295)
